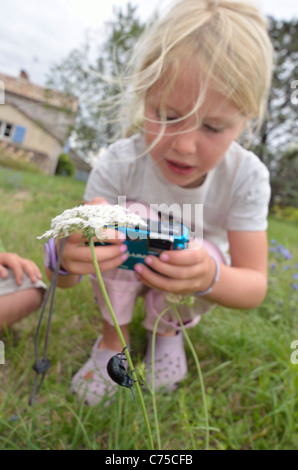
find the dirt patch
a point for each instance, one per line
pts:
(22, 195)
(14, 200)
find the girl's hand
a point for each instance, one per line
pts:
(179, 271)
(77, 258)
(19, 266)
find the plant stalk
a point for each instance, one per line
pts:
(205, 406)
(120, 335)
(174, 307)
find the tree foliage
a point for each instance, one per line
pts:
(280, 129)
(284, 177)
(90, 73)
(65, 166)
(279, 135)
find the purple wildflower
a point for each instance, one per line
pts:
(286, 268)
(285, 252)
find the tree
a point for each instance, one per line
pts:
(284, 179)
(280, 128)
(65, 167)
(85, 71)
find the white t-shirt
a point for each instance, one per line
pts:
(235, 195)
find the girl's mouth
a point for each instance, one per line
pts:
(179, 168)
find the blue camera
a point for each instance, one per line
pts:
(158, 236)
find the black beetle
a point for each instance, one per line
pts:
(117, 370)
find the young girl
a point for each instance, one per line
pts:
(203, 76)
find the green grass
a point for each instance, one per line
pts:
(250, 381)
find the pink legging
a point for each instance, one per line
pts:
(123, 288)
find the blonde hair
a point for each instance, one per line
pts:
(226, 39)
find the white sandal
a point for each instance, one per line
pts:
(170, 366)
(92, 382)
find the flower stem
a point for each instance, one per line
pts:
(120, 335)
(199, 374)
(174, 307)
(152, 385)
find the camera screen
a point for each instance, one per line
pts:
(155, 244)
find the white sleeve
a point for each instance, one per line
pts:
(250, 197)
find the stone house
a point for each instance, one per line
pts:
(35, 122)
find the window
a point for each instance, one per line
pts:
(12, 133)
(6, 130)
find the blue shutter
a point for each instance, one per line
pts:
(19, 134)
(66, 147)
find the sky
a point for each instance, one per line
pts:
(35, 34)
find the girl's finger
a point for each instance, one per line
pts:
(191, 256)
(3, 272)
(175, 271)
(78, 259)
(157, 281)
(32, 270)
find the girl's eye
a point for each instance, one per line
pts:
(212, 129)
(171, 119)
(166, 119)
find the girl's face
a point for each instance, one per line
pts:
(189, 149)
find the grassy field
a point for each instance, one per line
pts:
(245, 356)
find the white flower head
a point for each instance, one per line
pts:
(92, 221)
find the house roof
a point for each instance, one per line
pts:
(23, 87)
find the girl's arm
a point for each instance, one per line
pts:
(244, 283)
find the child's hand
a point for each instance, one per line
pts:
(179, 271)
(19, 266)
(77, 258)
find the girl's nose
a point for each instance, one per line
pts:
(185, 142)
